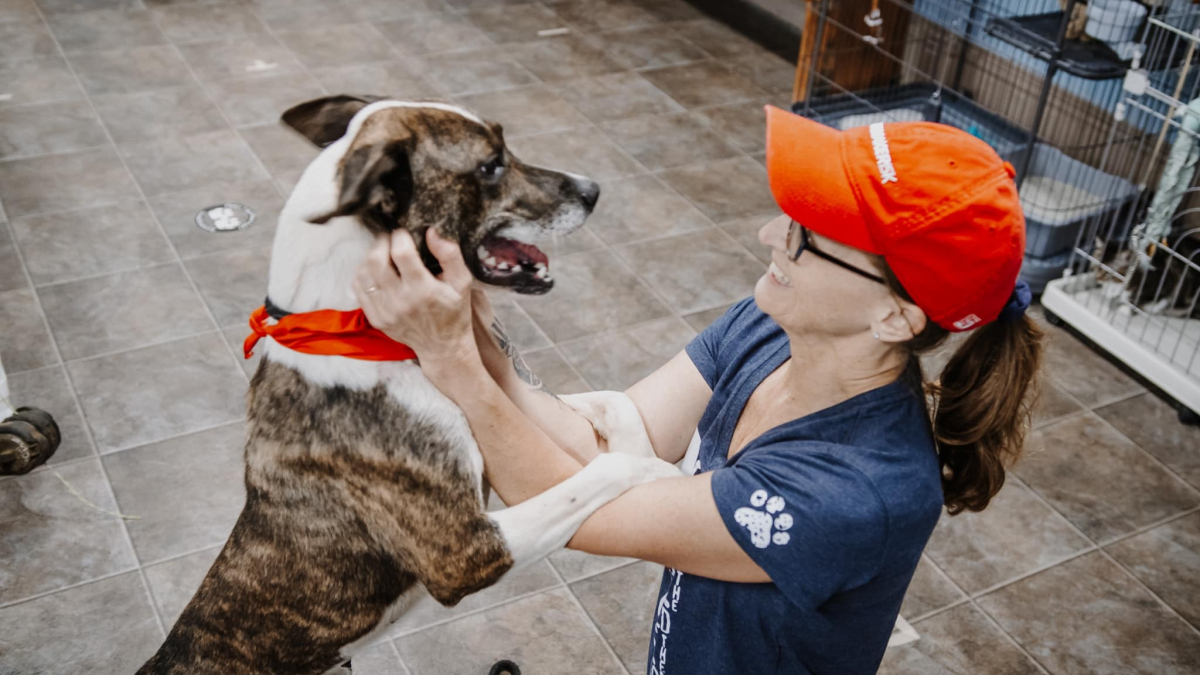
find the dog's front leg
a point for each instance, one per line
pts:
(543, 524)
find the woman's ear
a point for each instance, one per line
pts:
(902, 323)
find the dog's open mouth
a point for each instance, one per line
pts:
(506, 260)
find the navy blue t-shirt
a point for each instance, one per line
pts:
(836, 507)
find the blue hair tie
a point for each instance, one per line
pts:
(1018, 302)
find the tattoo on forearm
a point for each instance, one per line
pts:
(519, 364)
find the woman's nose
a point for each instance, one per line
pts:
(774, 233)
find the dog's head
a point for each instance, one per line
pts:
(421, 165)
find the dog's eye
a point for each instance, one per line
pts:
(493, 168)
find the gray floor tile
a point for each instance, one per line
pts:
(526, 110)
(706, 270)
(48, 389)
(49, 128)
(546, 633)
(622, 604)
(337, 45)
(929, 590)
(37, 80)
(284, 152)
(433, 33)
(159, 392)
(640, 207)
(648, 47)
(393, 79)
(1167, 559)
(1053, 403)
(18, 10)
(667, 141)
(86, 242)
(233, 57)
(190, 162)
(62, 634)
(427, 611)
(670, 10)
(188, 491)
(593, 292)
(599, 15)
(1015, 535)
(198, 22)
(50, 539)
(524, 334)
(26, 343)
(726, 190)
(301, 14)
(474, 70)
(1088, 617)
(1153, 424)
(555, 373)
(576, 565)
(703, 83)
(233, 283)
(159, 115)
(516, 23)
(174, 582)
(57, 6)
(177, 211)
(236, 337)
(1083, 373)
(1121, 490)
(619, 360)
(380, 659)
(617, 96)
(12, 273)
(701, 320)
(123, 311)
(960, 640)
(715, 38)
(261, 99)
(60, 182)
(463, 5)
(563, 58)
(128, 71)
(745, 231)
(384, 10)
(583, 151)
(742, 125)
(25, 39)
(104, 29)
(764, 69)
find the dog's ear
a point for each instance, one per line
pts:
(376, 178)
(324, 120)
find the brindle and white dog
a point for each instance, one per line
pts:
(363, 482)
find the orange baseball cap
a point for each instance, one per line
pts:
(937, 203)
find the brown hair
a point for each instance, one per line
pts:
(981, 401)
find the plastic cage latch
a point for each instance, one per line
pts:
(1137, 81)
(874, 21)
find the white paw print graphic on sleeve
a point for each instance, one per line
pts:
(766, 527)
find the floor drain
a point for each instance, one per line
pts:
(225, 218)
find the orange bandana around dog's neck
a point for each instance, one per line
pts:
(327, 332)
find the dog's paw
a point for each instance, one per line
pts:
(769, 525)
(615, 417)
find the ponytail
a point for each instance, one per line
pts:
(982, 404)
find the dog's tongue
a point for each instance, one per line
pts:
(515, 252)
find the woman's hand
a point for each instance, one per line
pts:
(399, 296)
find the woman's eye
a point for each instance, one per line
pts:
(492, 168)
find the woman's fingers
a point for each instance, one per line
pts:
(377, 271)
(407, 259)
(449, 254)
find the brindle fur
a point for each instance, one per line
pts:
(351, 499)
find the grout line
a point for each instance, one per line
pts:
(1170, 610)
(114, 272)
(68, 587)
(1033, 572)
(60, 153)
(1011, 639)
(403, 633)
(396, 651)
(1146, 528)
(177, 556)
(145, 345)
(591, 622)
(198, 430)
(1154, 459)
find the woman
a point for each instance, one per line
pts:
(820, 471)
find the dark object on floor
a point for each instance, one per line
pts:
(27, 439)
(504, 667)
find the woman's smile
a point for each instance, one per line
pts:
(778, 276)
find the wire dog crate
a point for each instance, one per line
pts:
(1090, 103)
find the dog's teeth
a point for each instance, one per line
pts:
(481, 252)
(540, 266)
(504, 266)
(489, 261)
(542, 274)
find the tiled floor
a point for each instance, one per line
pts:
(119, 119)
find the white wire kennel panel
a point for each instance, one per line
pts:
(1133, 284)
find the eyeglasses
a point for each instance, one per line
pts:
(798, 242)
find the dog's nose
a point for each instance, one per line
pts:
(589, 192)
